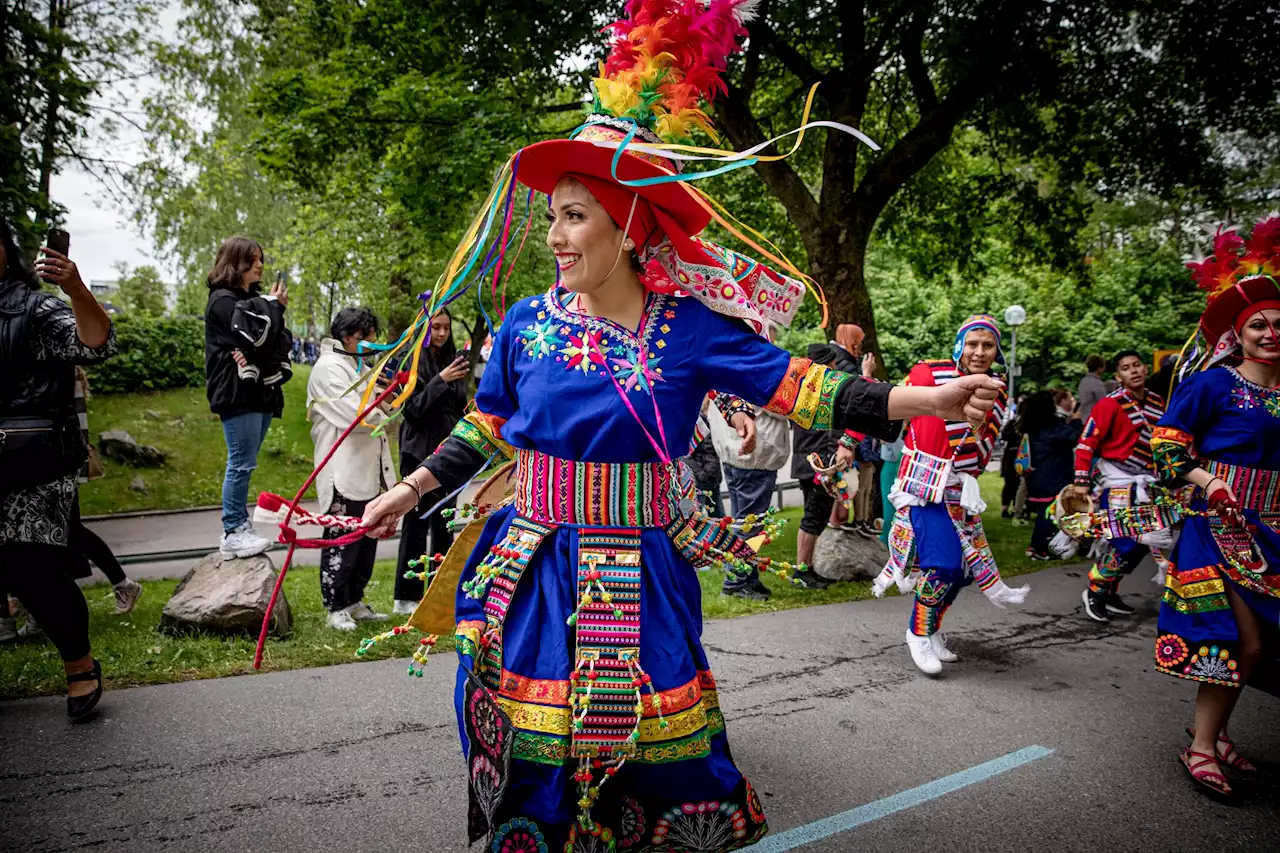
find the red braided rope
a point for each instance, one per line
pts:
(288, 535)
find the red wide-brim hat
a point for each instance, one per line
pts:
(1224, 308)
(543, 164)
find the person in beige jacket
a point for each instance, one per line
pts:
(359, 471)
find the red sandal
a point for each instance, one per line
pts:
(1198, 764)
(1228, 756)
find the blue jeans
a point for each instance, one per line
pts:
(244, 435)
(749, 492)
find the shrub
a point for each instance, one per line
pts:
(152, 355)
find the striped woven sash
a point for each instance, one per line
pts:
(550, 490)
(1255, 488)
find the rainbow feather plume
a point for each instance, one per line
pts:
(667, 57)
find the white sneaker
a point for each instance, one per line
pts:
(127, 592)
(362, 612)
(244, 542)
(940, 649)
(404, 608)
(922, 654)
(8, 629)
(340, 620)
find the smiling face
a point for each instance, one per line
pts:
(441, 327)
(584, 238)
(979, 351)
(1258, 337)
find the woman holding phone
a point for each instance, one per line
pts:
(430, 415)
(42, 339)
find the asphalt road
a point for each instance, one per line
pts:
(825, 714)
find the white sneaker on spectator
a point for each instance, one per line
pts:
(362, 612)
(127, 593)
(340, 620)
(244, 541)
(8, 629)
(404, 608)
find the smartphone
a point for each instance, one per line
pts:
(59, 241)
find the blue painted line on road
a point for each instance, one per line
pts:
(856, 817)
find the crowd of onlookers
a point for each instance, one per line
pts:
(249, 350)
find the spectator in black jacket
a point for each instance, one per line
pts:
(1052, 439)
(433, 410)
(245, 343)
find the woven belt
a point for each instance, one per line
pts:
(1255, 488)
(606, 494)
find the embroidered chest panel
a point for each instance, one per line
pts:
(569, 340)
(970, 451)
(1143, 417)
(1247, 395)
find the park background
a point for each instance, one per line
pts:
(1067, 157)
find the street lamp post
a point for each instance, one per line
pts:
(1014, 316)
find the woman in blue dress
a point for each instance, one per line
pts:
(1221, 432)
(585, 701)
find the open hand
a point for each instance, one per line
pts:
(967, 398)
(746, 427)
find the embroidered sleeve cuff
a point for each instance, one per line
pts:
(923, 475)
(484, 434)
(1174, 452)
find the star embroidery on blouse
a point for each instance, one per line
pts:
(670, 315)
(583, 351)
(1244, 398)
(540, 339)
(636, 375)
(1272, 404)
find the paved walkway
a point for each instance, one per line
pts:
(825, 713)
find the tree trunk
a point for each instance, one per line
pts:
(837, 261)
(52, 75)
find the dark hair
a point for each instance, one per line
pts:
(448, 350)
(234, 259)
(15, 265)
(1125, 353)
(1093, 363)
(353, 321)
(1038, 412)
(1059, 394)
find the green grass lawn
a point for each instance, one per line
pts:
(181, 425)
(133, 652)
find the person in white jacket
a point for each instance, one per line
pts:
(359, 471)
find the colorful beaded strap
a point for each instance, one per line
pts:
(605, 494)
(1254, 488)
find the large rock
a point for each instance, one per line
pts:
(844, 556)
(227, 596)
(119, 445)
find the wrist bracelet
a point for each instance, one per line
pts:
(416, 490)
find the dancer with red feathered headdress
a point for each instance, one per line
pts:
(1222, 434)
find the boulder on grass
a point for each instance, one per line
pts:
(227, 597)
(842, 555)
(119, 445)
